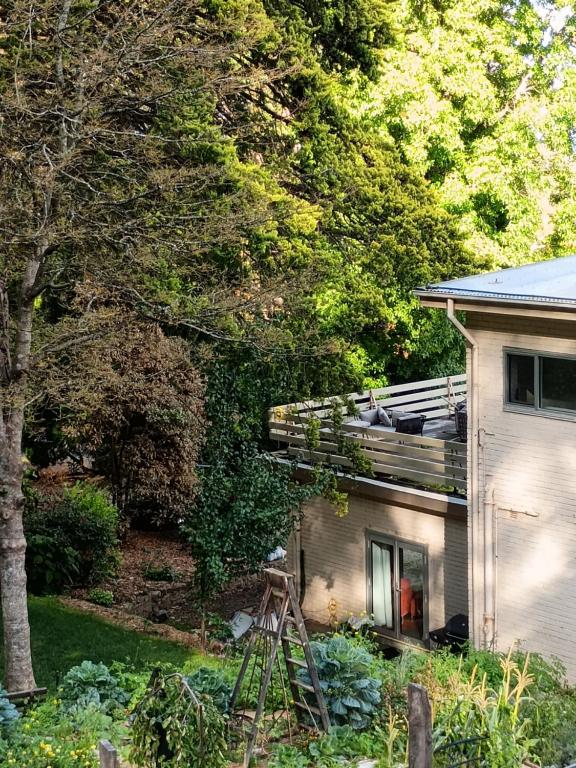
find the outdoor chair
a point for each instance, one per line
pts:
(461, 420)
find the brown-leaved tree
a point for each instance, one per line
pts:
(135, 403)
(98, 122)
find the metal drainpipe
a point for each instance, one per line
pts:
(297, 544)
(477, 550)
(490, 569)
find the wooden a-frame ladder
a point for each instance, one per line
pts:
(280, 620)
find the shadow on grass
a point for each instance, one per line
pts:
(63, 637)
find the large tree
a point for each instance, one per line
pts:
(134, 401)
(113, 191)
(480, 99)
(198, 164)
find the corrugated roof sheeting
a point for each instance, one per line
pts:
(549, 282)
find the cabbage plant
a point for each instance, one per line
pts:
(8, 712)
(350, 693)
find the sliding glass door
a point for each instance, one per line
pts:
(397, 587)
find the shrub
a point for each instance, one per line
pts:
(344, 669)
(173, 726)
(212, 683)
(67, 749)
(135, 680)
(49, 565)
(345, 746)
(71, 541)
(218, 628)
(48, 735)
(90, 683)
(161, 573)
(285, 756)
(101, 597)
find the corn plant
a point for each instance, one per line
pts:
(488, 722)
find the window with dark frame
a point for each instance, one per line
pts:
(541, 382)
(557, 383)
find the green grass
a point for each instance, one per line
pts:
(63, 637)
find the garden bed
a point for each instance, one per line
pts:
(510, 708)
(137, 595)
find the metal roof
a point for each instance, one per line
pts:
(544, 282)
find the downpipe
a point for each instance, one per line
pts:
(490, 570)
(481, 548)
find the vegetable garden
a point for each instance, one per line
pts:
(499, 710)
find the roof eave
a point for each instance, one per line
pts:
(479, 303)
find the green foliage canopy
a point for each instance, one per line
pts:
(479, 99)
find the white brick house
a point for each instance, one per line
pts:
(481, 523)
(520, 328)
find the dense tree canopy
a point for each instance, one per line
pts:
(135, 405)
(237, 197)
(479, 98)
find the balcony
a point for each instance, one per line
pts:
(337, 431)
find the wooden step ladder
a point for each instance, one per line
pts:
(280, 621)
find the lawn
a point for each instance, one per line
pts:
(62, 637)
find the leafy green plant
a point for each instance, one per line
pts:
(277, 695)
(101, 597)
(49, 565)
(160, 573)
(90, 683)
(487, 724)
(218, 628)
(174, 726)
(50, 735)
(344, 669)
(551, 712)
(212, 683)
(72, 540)
(286, 756)
(135, 680)
(312, 432)
(344, 745)
(42, 751)
(8, 713)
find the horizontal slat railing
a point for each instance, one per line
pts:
(436, 396)
(428, 461)
(424, 460)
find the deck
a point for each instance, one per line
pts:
(436, 459)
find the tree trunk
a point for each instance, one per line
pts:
(19, 675)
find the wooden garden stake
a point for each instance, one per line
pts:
(419, 727)
(108, 755)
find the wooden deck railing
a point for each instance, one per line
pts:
(424, 460)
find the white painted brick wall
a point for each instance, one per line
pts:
(531, 462)
(335, 556)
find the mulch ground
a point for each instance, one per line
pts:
(135, 595)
